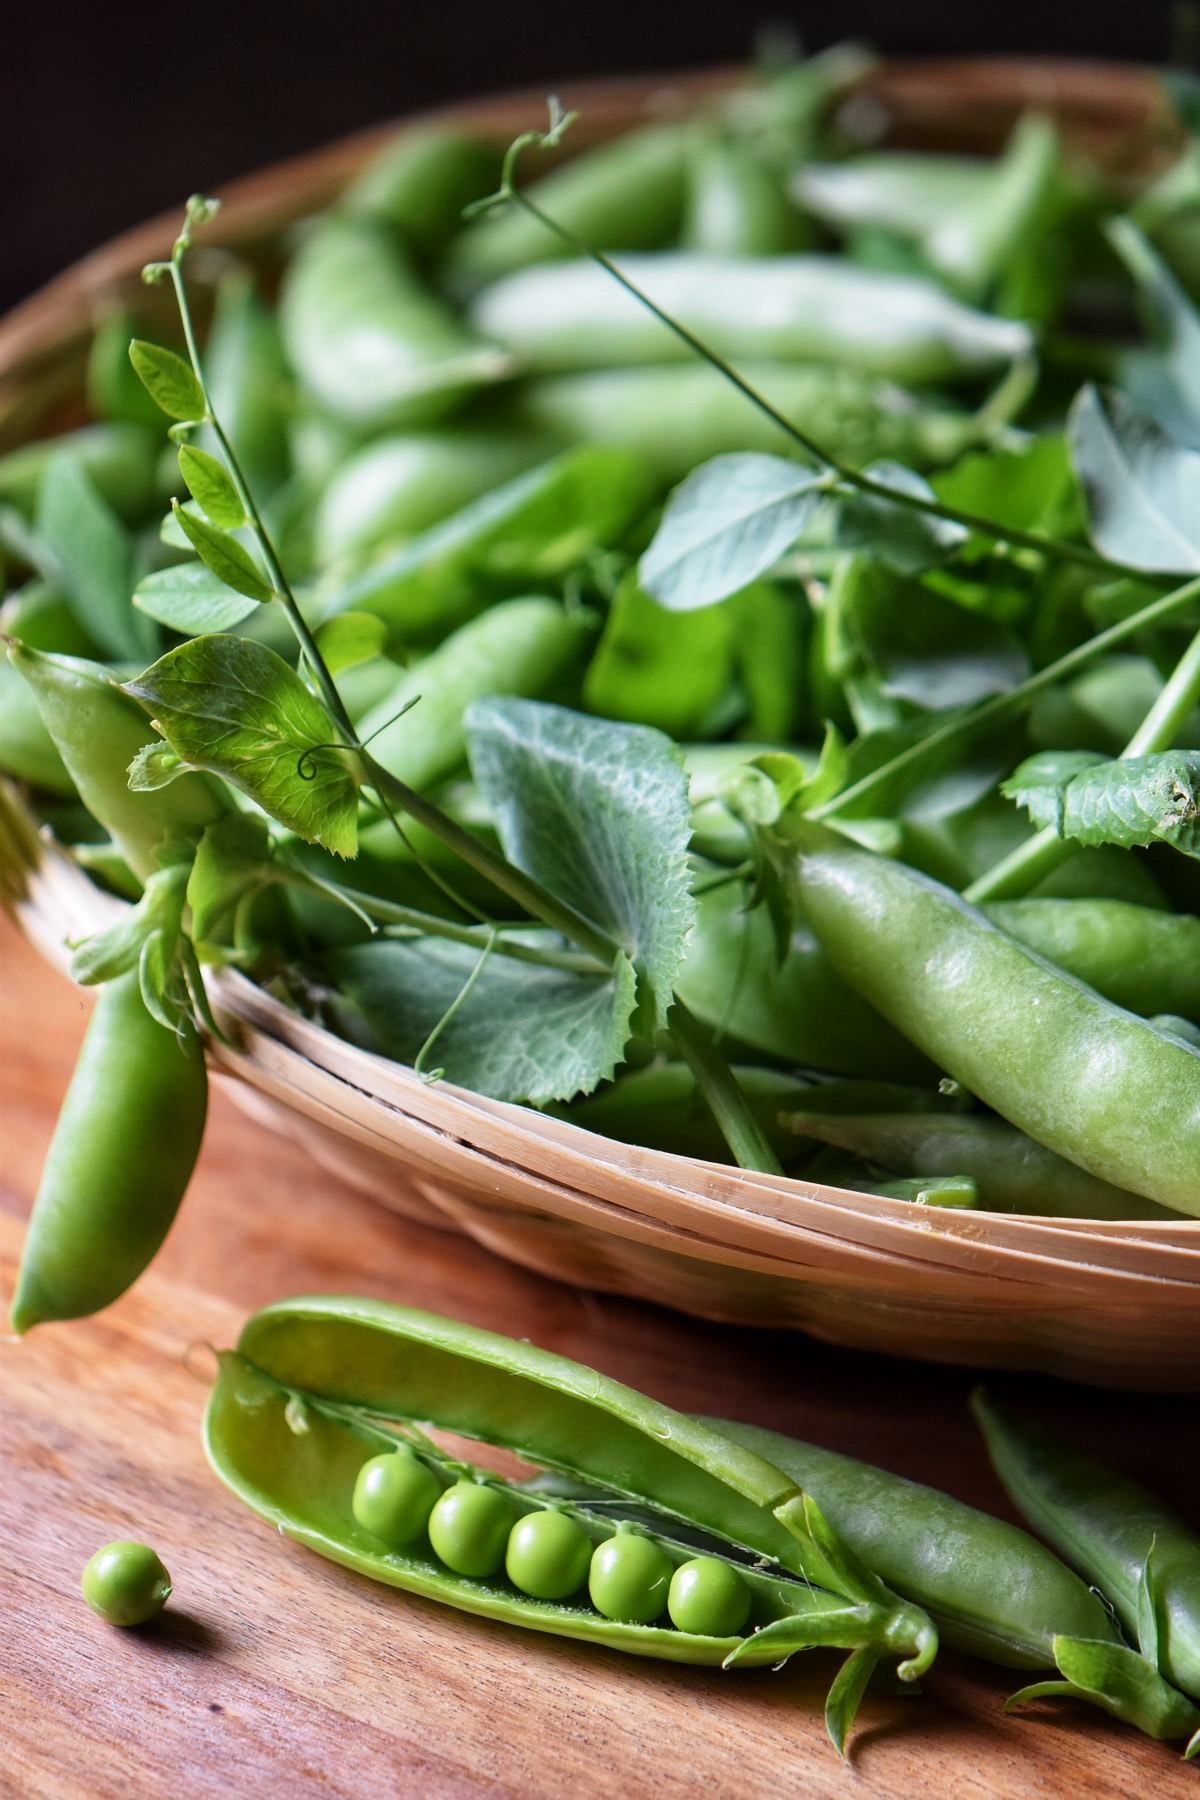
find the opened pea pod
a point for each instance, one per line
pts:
(320, 1390)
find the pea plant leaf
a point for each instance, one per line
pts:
(898, 535)
(349, 639)
(150, 938)
(1129, 802)
(1163, 380)
(169, 381)
(223, 555)
(655, 668)
(211, 487)
(925, 648)
(94, 560)
(233, 859)
(190, 599)
(598, 813)
(235, 708)
(728, 523)
(524, 1032)
(1143, 488)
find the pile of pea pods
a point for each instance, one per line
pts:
(605, 637)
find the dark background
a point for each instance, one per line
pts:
(122, 111)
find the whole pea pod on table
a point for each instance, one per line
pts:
(1140, 1553)
(320, 1387)
(120, 1159)
(1099, 1086)
(791, 308)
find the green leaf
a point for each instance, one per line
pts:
(233, 859)
(599, 814)
(1028, 487)
(652, 667)
(223, 554)
(524, 1032)
(351, 638)
(236, 708)
(945, 781)
(924, 648)
(1142, 487)
(155, 766)
(1164, 381)
(211, 486)
(94, 557)
(190, 599)
(727, 524)
(1120, 1682)
(845, 1695)
(1129, 802)
(1151, 1609)
(904, 539)
(114, 952)
(168, 380)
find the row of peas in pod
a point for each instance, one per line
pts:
(547, 1552)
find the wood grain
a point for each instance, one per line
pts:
(274, 1673)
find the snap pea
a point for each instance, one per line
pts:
(418, 185)
(304, 1402)
(526, 646)
(43, 618)
(995, 1592)
(1137, 956)
(121, 461)
(368, 341)
(401, 485)
(800, 1011)
(1013, 1173)
(903, 191)
(794, 308)
(1091, 1082)
(120, 1159)
(676, 416)
(662, 1107)
(98, 731)
(736, 202)
(26, 748)
(529, 531)
(1117, 1534)
(624, 195)
(247, 377)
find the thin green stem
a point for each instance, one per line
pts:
(842, 472)
(716, 1081)
(1033, 860)
(964, 724)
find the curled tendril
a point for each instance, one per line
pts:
(306, 764)
(549, 139)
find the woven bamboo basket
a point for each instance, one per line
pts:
(1112, 1303)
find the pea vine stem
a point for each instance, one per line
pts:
(713, 1074)
(838, 471)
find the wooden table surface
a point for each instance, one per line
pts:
(274, 1673)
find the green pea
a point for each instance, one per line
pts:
(394, 1496)
(708, 1598)
(629, 1578)
(548, 1555)
(469, 1528)
(125, 1583)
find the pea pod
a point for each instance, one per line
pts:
(98, 731)
(625, 195)
(402, 485)
(301, 1406)
(676, 416)
(524, 646)
(120, 1159)
(120, 460)
(1136, 956)
(1125, 1540)
(994, 1591)
(367, 340)
(418, 185)
(1091, 1082)
(1012, 1172)
(248, 381)
(26, 748)
(794, 308)
(800, 1011)
(662, 1108)
(533, 529)
(737, 204)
